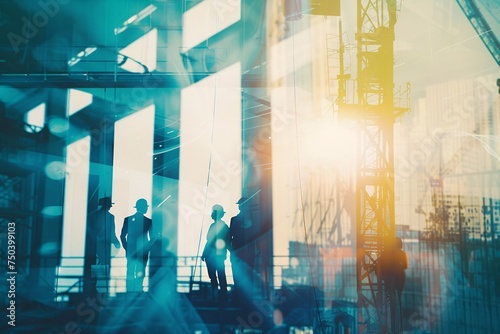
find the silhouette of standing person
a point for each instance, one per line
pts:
(215, 252)
(242, 250)
(393, 263)
(400, 265)
(137, 241)
(102, 228)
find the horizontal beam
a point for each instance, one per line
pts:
(123, 80)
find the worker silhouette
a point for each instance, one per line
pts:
(401, 264)
(393, 263)
(242, 250)
(215, 252)
(102, 228)
(137, 241)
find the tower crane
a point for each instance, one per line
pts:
(480, 24)
(375, 112)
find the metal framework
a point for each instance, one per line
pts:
(375, 169)
(482, 27)
(325, 196)
(112, 80)
(375, 112)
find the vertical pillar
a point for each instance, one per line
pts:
(99, 185)
(48, 228)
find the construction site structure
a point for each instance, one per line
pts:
(375, 111)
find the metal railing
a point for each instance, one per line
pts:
(190, 274)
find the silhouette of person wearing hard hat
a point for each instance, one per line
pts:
(136, 237)
(242, 250)
(215, 252)
(102, 228)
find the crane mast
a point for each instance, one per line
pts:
(375, 166)
(375, 113)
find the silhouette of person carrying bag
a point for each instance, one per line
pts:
(102, 229)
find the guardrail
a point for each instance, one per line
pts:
(190, 274)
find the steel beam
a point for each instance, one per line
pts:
(111, 80)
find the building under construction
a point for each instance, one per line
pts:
(250, 166)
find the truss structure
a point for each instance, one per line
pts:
(375, 108)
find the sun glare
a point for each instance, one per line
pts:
(328, 142)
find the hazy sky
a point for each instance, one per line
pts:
(434, 43)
